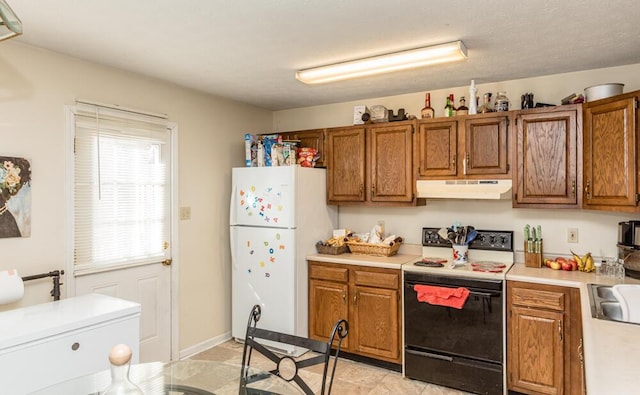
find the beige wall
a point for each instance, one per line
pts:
(36, 84)
(597, 231)
(34, 87)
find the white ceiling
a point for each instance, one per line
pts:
(249, 50)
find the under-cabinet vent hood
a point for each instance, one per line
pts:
(464, 189)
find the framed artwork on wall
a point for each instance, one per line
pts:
(15, 197)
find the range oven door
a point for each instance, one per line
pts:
(460, 348)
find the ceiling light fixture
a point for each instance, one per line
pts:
(10, 25)
(404, 60)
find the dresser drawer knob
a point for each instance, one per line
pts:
(75, 346)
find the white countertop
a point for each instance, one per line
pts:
(611, 349)
(26, 324)
(389, 262)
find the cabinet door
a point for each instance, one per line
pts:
(313, 138)
(327, 305)
(535, 351)
(376, 330)
(547, 158)
(437, 149)
(486, 146)
(346, 164)
(610, 154)
(391, 163)
(544, 350)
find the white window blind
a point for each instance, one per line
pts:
(121, 189)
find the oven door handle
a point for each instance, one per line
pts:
(485, 294)
(430, 355)
(409, 285)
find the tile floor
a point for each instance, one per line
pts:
(351, 377)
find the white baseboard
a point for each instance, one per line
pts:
(205, 345)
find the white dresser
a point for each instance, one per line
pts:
(51, 342)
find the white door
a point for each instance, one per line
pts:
(148, 285)
(122, 214)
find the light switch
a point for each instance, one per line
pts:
(185, 213)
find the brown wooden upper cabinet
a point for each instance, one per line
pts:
(312, 138)
(610, 153)
(346, 164)
(473, 146)
(548, 171)
(371, 164)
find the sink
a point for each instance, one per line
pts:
(611, 310)
(604, 304)
(605, 292)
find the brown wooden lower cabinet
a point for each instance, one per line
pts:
(368, 298)
(544, 339)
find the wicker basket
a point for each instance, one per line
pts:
(373, 249)
(331, 250)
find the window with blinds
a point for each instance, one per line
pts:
(121, 187)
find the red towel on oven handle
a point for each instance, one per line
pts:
(442, 296)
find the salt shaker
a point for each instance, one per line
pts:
(120, 359)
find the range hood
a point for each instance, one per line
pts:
(464, 189)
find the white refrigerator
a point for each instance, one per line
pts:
(277, 215)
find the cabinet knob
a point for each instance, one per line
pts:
(573, 188)
(75, 346)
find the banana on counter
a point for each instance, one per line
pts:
(585, 263)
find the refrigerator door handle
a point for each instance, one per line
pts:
(232, 205)
(232, 242)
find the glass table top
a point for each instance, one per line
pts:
(203, 377)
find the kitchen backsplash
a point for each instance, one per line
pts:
(597, 231)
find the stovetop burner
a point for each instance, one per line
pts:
(426, 262)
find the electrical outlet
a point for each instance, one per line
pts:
(572, 235)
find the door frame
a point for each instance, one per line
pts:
(69, 289)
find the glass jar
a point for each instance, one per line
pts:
(502, 101)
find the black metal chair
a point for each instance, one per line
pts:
(339, 332)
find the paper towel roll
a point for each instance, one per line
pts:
(11, 286)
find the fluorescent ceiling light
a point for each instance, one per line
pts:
(10, 24)
(404, 60)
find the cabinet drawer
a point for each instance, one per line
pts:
(331, 273)
(538, 298)
(35, 365)
(387, 279)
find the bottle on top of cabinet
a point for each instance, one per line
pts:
(427, 111)
(473, 93)
(486, 106)
(462, 109)
(449, 109)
